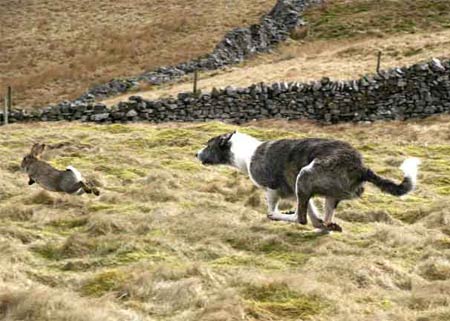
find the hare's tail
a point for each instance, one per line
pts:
(76, 173)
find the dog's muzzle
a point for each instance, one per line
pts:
(198, 155)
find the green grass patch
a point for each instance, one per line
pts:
(182, 165)
(294, 259)
(279, 302)
(99, 206)
(123, 173)
(69, 223)
(103, 282)
(49, 251)
(337, 19)
(116, 128)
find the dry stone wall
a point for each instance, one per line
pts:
(416, 91)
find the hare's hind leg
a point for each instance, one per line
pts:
(80, 185)
(89, 188)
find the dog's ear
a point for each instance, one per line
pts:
(37, 149)
(225, 138)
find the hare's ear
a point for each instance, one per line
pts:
(34, 149)
(37, 149)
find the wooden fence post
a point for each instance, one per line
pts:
(195, 82)
(8, 105)
(5, 111)
(378, 62)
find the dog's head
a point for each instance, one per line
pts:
(217, 151)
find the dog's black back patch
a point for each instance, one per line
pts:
(276, 164)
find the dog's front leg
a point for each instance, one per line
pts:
(272, 205)
(272, 199)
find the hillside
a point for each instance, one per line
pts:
(56, 50)
(341, 41)
(170, 239)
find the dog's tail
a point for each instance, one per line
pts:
(409, 168)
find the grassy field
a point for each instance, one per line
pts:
(170, 239)
(56, 50)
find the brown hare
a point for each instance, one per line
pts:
(52, 179)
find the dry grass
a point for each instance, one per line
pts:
(170, 239)
(55, 50)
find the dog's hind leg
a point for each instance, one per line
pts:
(314, 214)
(330, 205)
(302, 209)
(303, 186)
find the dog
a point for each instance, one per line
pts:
(68, 181)
(301, 169)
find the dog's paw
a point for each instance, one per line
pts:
(318, 224)
(302, 220)
(333, 227)
(96, 192)
(273, 217)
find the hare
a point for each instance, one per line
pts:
(52, 179)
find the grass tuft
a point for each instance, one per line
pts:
(103, 282)
(277, 300)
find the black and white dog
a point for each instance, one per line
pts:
(303, 168)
